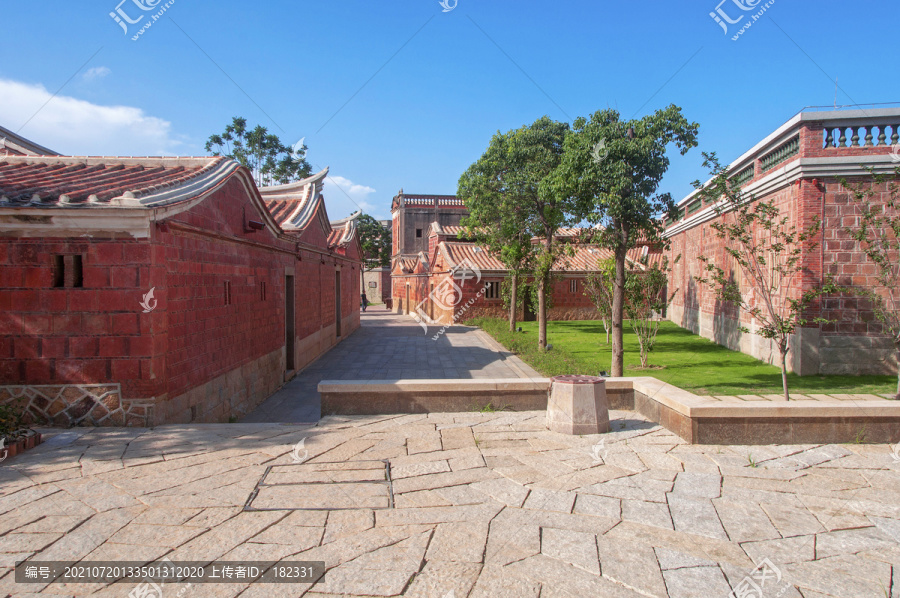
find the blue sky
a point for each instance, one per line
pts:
(401, 94)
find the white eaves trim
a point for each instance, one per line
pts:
(849, 118)
(805, 168)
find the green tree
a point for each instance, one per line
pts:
(270, 161)
(647, 296)
(768, 249)
(375, 239)
(598, 287)
(493, 190)
(878, 234)
(538, 149)
(612, 169)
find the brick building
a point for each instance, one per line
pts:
(143, 291)
(428, 285)
(800, 166)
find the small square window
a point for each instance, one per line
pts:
(68, 271)
(573, 286)
(492, 290)
(418, 233)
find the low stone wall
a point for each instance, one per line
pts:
(354, 397)
(69, 405)
(698, 420)
(701, 420)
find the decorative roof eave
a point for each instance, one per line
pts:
(310, 191)
(290, 190)
(210, 173)
(18, 143)
(209, 180)
(349, 232)
(104, 223)
(130, 214)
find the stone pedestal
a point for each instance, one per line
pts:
(578, 405)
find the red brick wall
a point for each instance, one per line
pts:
(93, 334)
(831, 252)
(207, 337)
(702, 240)
(99, 333)
(845, 260)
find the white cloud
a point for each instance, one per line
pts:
(341, 193)
(77, 127)
(97, 72)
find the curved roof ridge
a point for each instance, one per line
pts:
(66, 181)
(287, 188)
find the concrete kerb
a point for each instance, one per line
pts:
(696, 419)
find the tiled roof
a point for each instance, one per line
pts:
(453, 231)
(471, 254)
(407, 263)
(293, 205)
(64, 182)
(342, 235)
(585, 259)
(335, 236)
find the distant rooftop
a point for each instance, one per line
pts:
(18, 145)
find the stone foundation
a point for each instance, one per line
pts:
(70, 405)
(230, 395)
(811, 352)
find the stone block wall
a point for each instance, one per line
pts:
(77, 405)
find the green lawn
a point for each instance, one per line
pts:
(690, 361)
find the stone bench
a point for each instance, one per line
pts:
(362, 397)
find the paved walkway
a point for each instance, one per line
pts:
(391, 347)
(484, 506)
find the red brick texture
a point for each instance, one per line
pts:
(823, 348)
(100, 334)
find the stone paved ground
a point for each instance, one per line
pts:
(485, 505)
(392, 347)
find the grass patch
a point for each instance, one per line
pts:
(686, 360)
(490, 408)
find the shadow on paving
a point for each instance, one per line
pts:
(386, 347)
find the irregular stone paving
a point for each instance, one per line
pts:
(493, 506)
(390, 346)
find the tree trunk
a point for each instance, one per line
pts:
(543, 285)
(514, 284)
(898, 374)
(618, 309)
(542, 313)
(787, 397)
